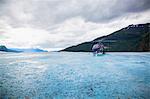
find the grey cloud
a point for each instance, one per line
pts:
(45, 13)
(113, 9)
(137, 5)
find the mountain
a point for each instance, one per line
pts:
(132, 38)
(5, 49)
(30, 50)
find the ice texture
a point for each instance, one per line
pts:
(68, 75)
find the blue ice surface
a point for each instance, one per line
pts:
(68, 75)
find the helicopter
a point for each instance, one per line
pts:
(98, 47)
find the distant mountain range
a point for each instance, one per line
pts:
(29, 50)
(5, 49)
(129, 39)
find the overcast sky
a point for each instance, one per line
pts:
(58, 24)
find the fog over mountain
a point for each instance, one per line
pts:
(54, 24)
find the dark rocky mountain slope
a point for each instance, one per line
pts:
(129, 39)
